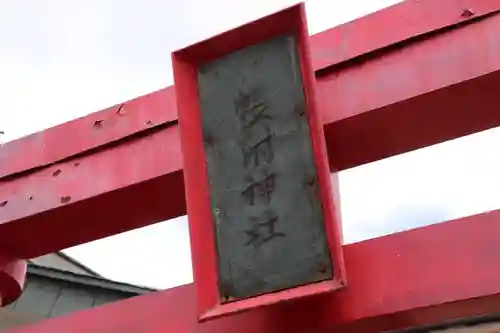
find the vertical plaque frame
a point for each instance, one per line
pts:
(186, 63)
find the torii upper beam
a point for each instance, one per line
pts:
(385, 87)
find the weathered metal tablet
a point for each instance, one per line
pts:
(262, 176)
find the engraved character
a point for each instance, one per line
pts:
(263, 149)
(250, 111)
(263, 230)
(262, 188)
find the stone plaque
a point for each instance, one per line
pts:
(266, 210)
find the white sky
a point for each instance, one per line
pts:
(60, 59)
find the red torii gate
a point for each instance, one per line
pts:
(413, 75)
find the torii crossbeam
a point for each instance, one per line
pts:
(410, 76)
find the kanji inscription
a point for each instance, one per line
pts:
(267, 215)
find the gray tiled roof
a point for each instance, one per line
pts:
(57, 285)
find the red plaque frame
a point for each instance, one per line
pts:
(185, 63)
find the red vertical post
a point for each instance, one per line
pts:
(12, 277)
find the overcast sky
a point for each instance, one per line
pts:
(60, 59)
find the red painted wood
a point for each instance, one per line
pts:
(83, 134)
(12, 277)
(387, 28)
(418, 95)
(399, 99)
(405, 99)
(397, 24)
(63, 197)
(290, 21)
(423, 276)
